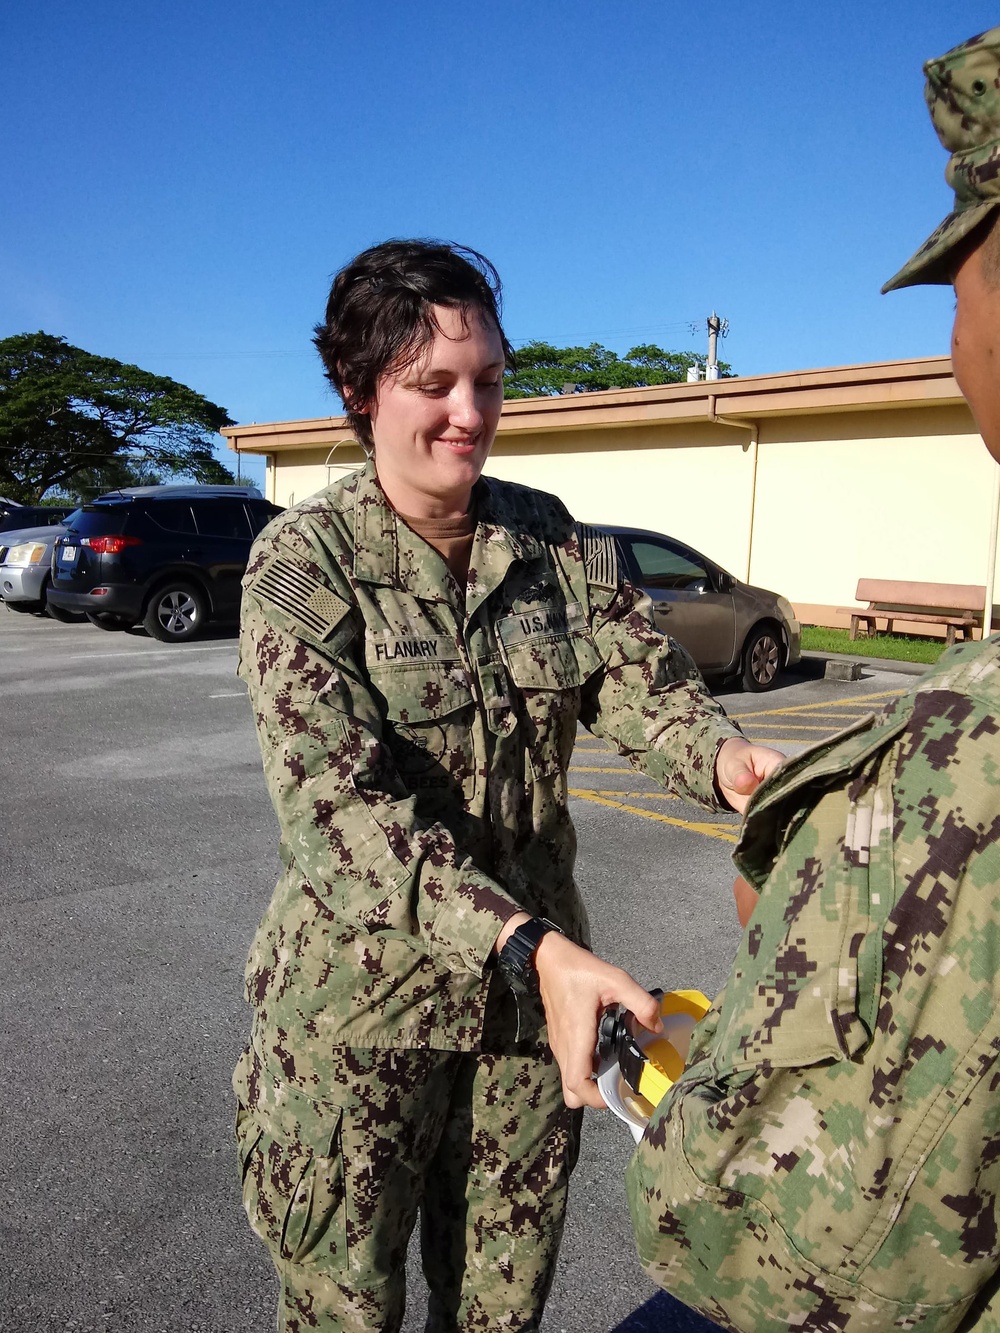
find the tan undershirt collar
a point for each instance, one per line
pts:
(451, 537)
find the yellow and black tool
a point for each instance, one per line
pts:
(650, 1064)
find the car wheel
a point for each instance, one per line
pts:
(763, 658)
(108, 620)
(175, 612)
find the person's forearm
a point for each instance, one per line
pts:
(351, 826)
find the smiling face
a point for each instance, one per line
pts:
(433, 422)
(975, 342)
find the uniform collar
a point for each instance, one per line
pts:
(390, 553)
(494, 510)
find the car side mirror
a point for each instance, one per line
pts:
(726, 582)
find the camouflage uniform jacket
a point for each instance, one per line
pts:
(416, 752)
(830, 1160)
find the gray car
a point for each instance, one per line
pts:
(730, 628)
(25, 570)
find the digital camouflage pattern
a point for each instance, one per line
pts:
(416, 752)
(963, 95)
(415, 746)
(830, 1159)
(388, 1118)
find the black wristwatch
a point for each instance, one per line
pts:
(516, 958)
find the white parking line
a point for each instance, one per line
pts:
(150, 652)
(235, 694)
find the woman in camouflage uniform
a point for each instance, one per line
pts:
(419, 645)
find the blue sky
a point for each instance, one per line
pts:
(184, 179)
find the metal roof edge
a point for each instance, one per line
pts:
(911, 382)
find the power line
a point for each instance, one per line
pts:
(687, 325)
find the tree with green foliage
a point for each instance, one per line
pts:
(544, 369)
(69, 416)
(110, 476)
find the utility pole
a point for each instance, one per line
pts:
(717, 328)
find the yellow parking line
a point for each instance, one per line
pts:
(724, 832)
(633, 795)
(779, 741)
(823, 712)
(809, 726)
(805, 708)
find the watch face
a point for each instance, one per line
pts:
(522, 980)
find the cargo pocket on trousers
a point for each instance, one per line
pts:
(293, 1183)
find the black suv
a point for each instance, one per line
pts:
(13, 516)
(171, 557)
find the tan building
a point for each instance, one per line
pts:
(802, 482)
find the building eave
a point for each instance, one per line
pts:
(916, 382)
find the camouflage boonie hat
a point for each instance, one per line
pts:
(963, 94)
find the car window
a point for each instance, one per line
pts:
(661, 566)
(172, 516)
(31, 516)
(222, 518)
(261, 514)
(97, 520)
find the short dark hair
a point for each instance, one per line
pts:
(378, 315)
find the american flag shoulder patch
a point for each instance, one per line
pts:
(298, 594)
(600, 556)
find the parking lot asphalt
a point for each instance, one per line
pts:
(139, 854)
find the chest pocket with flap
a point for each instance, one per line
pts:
(549, 656)
(427, 701)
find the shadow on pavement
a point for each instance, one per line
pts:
(810, 668)
(211, 633)
(663, 1314)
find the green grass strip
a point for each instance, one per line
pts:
(900, 647)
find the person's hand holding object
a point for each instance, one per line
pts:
(576, 987)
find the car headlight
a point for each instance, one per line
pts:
(28, 553)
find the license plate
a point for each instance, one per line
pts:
(68, 554)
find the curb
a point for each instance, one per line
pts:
(890, 664)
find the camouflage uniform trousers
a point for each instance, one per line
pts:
(481, 1144)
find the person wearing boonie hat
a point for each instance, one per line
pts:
(830, 1158)
(963, 96)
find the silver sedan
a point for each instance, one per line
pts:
(729, 627)
(25, 560)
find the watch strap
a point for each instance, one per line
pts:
(515, 958)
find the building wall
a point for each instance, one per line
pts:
(294, 475)
(829, 498)
(894, 495)
(691, 481)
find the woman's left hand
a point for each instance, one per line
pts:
(576, 987)
(740, 768)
